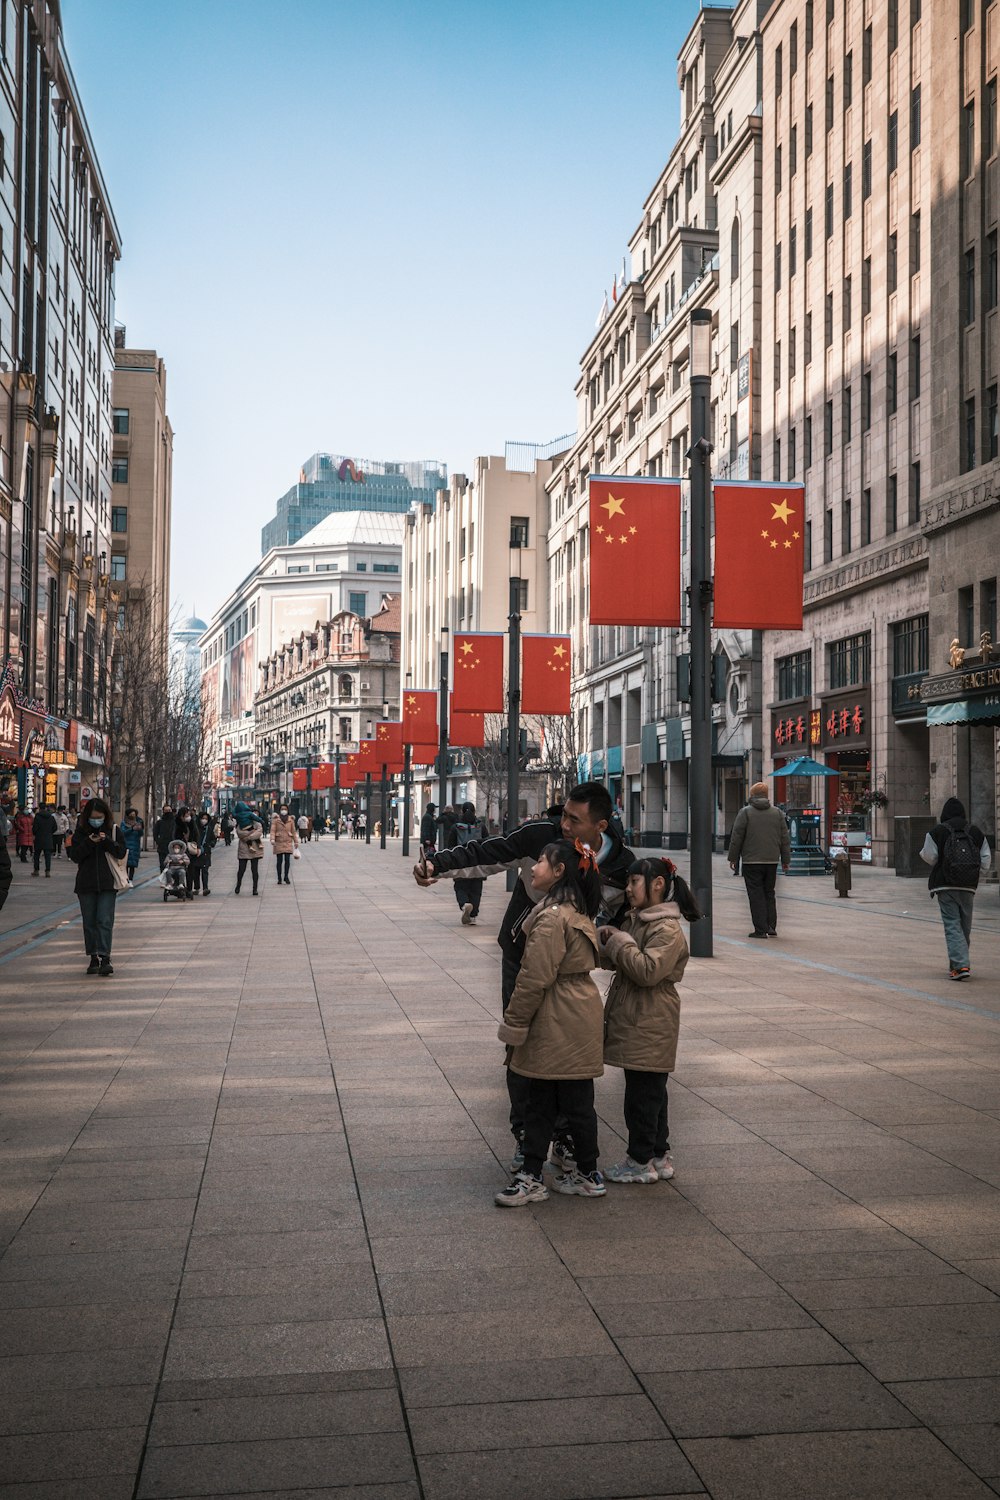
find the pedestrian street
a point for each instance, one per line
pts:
(250, 1245)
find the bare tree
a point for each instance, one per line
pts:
(489, 765)
(558, 742)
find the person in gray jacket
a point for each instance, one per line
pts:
(760, 839)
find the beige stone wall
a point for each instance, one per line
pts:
(140, 388)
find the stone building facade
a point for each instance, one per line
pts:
(142, 482)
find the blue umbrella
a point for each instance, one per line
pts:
(804, 765)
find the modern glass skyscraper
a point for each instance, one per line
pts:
(330, 482)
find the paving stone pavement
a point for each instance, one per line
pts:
(250, 1246)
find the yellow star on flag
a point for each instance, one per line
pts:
(782, 511)
(763, 533)
(411, 701)
(613, 506)
(559, 650)
(599, 530)
(774, 544)
(466, 648)
(609, 537)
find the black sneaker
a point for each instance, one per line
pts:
(762, 935)
(105, 968)
(94, 965)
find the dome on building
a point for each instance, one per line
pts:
(195, 624)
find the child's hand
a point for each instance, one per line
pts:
(604, 935)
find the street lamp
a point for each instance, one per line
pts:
(406, 783)
(700, 604)
(514, 687)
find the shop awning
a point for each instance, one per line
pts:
(965, 711)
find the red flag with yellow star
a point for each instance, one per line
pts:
(420, 717)
(545, 674)
(389, 739)
(478, 675)
(635, 551)
(466, 730)
(759, 552)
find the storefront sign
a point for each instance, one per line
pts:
(8, 725)
(815, 726)
(790, 728)
(91, 745)
(950, 686)
(906, 700)
(844, 718)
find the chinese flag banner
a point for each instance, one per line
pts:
(759, 552)
(298, 781)
(466, 730)
(420, 717)
(478, 675)
(367, 758)
(545, 674)
(635, 551)
(424, 755)
(389, 739)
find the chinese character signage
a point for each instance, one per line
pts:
(790, 730)
(844, 720)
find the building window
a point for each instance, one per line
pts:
(828, 429)
(991, 422)
(828, 319)
(777, 267)
(866, 286)
(119, 471)
(793, 151)
(119, 518)
(344, 730)
(848, 80)
(119, 420)
(734, 250)
(845, 435)
(891, 506)
(893, 142)
(848, 190)
(848, 661)
(991, 117)
(777, 169)
(866, 517)
(848, 288)
(117, 567)
(807, 561)
(776, 469)
(809, 234)
(793, 235)
(845, 527)
(522, 594)
(794, 676)
(968, 15)
(807, 340)
(893, 26)
(829, 210)
(828, 535)
(829, 103)
(809, 25)
(345, 689)
(792, 458)
(891, 397)
(968, 139)
(866, 170)
(519, 531)
(793, 49)
(988, 607)
(866, 401)
(915, 118)
(809, 130)
(807, 444)
(914, 492)
(866, 56)
(792, 344)
(777, 69)
(892, 260)
(357, 603)
(915, 368)
(969, 456)
(385, 567)
(914, 243)
(910, 646)
(991, 269)
(969, 287)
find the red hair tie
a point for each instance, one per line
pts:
(671, 867)
(588, 859)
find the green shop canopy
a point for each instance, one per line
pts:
(966, 711)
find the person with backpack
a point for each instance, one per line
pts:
(468, 892)
(958, 853)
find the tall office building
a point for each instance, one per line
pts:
(141, 478)
(331, 482)
(58, 250)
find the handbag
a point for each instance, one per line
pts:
(119, 872)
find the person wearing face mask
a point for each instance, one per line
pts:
(187, 831)
(95, 840)
(204, 836)
(284, 839)
(250, 844)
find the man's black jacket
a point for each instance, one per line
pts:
(520, 849)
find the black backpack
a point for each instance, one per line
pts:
(960, 859)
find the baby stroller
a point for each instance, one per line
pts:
(173, 876)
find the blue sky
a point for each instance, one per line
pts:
(380, 228)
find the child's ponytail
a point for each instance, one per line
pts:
(675, 888)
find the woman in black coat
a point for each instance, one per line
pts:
(201, 863)
(95, 840)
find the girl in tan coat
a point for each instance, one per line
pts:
(284, 840)
(554, 1023)
(642, 1012)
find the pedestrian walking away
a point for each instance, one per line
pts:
(304, 826)
(586, 815)
(250, 844)
(24, 838)
(648, 953)
(133, 829)
(227, 824)
(760, 840)
(468, 892)
(205, 838)
(284, 842)
(164, 829)
(95, 842)
(554, 1024)
(6, 874)
(958, 853)
(43, 838)
(842, 872)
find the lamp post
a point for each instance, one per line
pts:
(443, 722)
(406, 786)
(700, 604)
(384, 799)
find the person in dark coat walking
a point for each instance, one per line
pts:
(958, 853)
(163, 832)
(428, 829)
(760, 839)
(468, 892)
(6, 874)
(95, 838)
(43, 831)
(201, 863)
(133, 829)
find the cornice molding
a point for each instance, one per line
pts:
(860, 573)
(964, 502)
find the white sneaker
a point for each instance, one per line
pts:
(523, 1188)
(632, 1171)
(664, 1166)
(589, 1186)
(561, 1158)
(467, 914)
